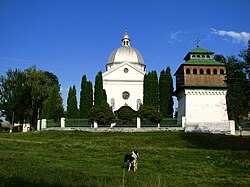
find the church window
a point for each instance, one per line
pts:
(194, 71)
(112, 103)
(187, 71)
(201, 71)
(208, 71)
(125, 70)
(138, 104)
(222, 71)
(215, 71)
(125, 95)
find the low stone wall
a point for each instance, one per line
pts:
(118, 129)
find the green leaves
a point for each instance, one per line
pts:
(72, 110)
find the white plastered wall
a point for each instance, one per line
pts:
(116, 81)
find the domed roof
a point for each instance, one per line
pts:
(125, 53)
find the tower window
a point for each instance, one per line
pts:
(208, 71)
(215, 71)
(194, 71)
(201, 71)
(222, 71)
(187, 71)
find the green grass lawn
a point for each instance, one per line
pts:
(57, 158)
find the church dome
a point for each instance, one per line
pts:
(125, 53)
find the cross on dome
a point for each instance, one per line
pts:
(126, 38)
(197, 43)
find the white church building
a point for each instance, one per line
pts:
(200, 87)
(123, 79)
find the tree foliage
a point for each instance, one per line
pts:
(102, 115)
(149, 113)
(72, 110)
(15, 96)
(100, 97)
(238, 87)
(53, 106)
(86, 97)
(101, 112)
(126, 113)
(165, 93)
(150, 90)
(23, 94)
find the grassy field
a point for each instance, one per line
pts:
(56, 158)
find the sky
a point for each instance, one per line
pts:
(72, 38)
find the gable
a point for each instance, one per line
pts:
(124, 72)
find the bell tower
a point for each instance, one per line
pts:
(201, 93)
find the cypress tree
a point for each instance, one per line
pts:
(146, 88)
(150, 90)
(163, 94)
(155, 90)
(101, 111)
(72, 110)
(86, 97)
(53, 106)
(170, 90)
(100, 97)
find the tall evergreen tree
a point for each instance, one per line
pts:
(165, 93)
(100, 97)
(72, 110)
(101, 111)
(155, 90)
(53, 106)
(86, 97)
(150, 90)
(146, 90)
(170, 90)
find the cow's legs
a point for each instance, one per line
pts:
(135, 167)
(129, 166)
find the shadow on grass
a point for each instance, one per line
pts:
(17, 181)
(215, 141)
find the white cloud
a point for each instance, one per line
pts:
(237, 37)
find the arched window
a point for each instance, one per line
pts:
(112, 103)
(201, 71)
(187, 71)
(193, 56)
(138, 104)
(208, 71)
(222, 71)
(215, 71)
(194, 71)
(203, 56)
(208, 56)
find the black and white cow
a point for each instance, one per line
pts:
(133, 160)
